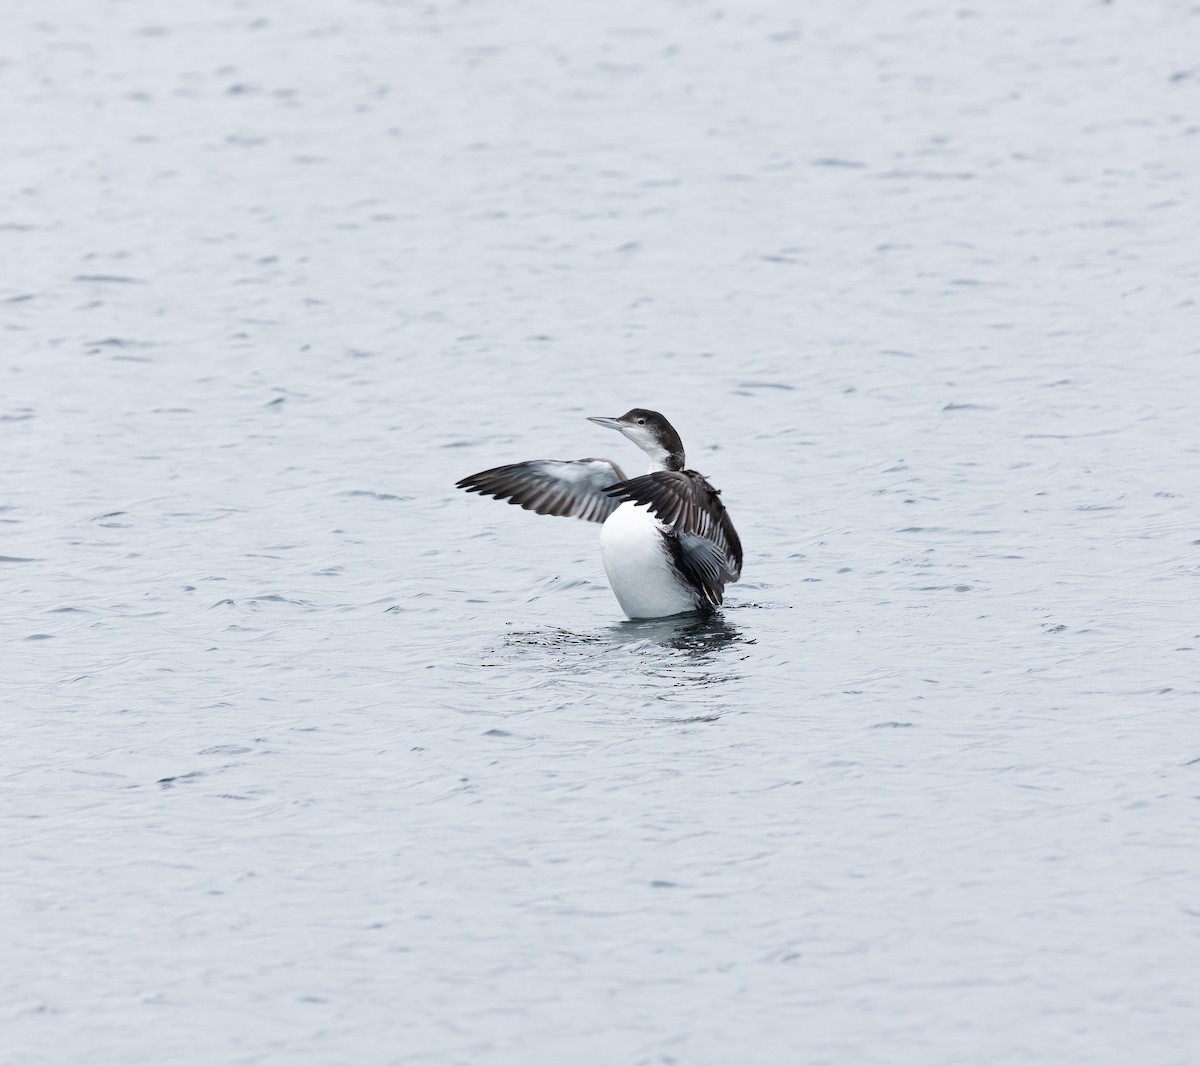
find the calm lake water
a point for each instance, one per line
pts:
(309, 758)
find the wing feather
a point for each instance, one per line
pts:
(570, 488)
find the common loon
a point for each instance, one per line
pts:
(667, 542)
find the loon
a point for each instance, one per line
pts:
(667, 542)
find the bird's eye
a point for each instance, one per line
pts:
(641, 421)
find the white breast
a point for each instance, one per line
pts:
(639, 565)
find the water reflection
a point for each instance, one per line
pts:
(700, 637)
(682, 650)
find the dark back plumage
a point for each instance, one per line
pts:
(700, 535)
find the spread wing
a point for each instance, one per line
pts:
(704, 545)
(573, 489)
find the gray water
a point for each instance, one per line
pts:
(309, 758)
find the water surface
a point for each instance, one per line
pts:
(311, 759)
